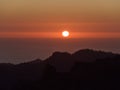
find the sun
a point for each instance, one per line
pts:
(65, 33)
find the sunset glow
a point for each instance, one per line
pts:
(58, 35)
(65, 33)
(58, 25)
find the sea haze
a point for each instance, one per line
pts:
(24, 50)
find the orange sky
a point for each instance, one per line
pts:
(59, 35)
(48, 18)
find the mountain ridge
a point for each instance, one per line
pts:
(83, 65)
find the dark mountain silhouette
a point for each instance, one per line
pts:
(85, 69)
(89, 55)
(64, 61)
(61, 61)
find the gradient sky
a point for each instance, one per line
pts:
(31, 29)
(53, 16)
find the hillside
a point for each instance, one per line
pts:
(84, 67)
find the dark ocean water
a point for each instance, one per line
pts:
(23, 50)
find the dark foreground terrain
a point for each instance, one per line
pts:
(83, 70)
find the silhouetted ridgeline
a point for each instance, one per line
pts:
(83, 70)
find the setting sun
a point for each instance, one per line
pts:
(65, 33)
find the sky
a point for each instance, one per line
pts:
(45, 16)
(32, 28)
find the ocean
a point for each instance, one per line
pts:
(16, 50)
